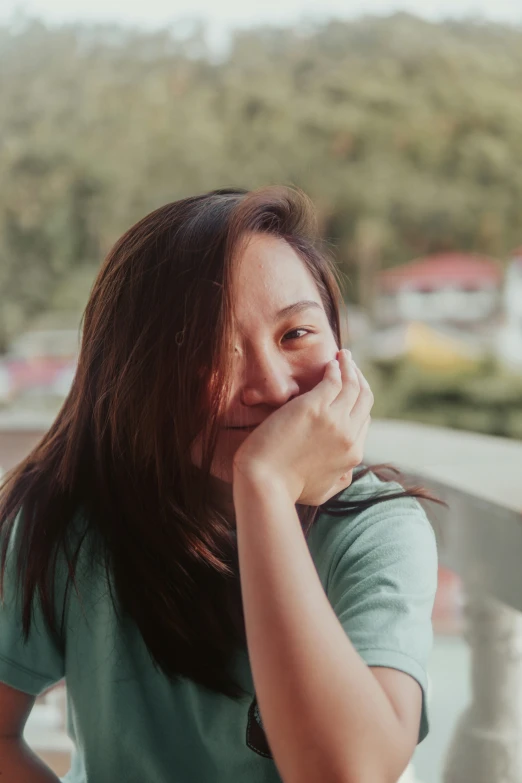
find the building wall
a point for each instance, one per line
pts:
(513, 293)
(510, 336)
(450, 303)
(440, 304)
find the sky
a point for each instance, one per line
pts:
(223, 14)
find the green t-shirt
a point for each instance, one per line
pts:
(130, 723)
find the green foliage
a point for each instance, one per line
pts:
(406, 134)
(487, 399)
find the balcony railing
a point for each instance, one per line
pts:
(479, 538)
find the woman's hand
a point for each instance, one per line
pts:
(313, 443)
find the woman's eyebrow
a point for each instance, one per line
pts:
(304, 304)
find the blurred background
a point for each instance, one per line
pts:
(401, 120)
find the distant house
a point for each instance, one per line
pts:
(435, 347)
(510, 334)
(453, 288)
(5, 384)
(40, 362)
(60, 344)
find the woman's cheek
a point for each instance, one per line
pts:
(310, 366)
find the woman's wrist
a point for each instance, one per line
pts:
(257, 475)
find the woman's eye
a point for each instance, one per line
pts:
(294, 334)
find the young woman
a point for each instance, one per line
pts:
(194, 545)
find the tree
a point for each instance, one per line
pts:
(405, 133)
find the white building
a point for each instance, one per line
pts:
(510, 335)
(456, 288)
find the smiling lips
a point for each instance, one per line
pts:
(245, 427)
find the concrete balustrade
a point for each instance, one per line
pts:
(480, 538)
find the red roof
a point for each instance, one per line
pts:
(443, 269)
(25, 374)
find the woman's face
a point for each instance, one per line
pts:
(283, 341)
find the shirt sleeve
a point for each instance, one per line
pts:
(30, 666)
(382, 585)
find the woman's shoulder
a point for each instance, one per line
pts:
(77, 552)
(368, 485)
(372, 514)
(368, 498)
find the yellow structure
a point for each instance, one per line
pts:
(433, 349)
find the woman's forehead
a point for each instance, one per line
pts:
(270, 276)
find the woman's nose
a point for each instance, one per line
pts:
(268, 380)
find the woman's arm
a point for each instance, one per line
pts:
(18, 763)
(327, 715)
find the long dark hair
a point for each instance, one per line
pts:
(152, 374)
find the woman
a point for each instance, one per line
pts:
(194, 545)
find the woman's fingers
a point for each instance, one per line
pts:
(357, 451)
(348, 395)
(346, 391)
(327, 390)
(356, 458)
(363, 405)
(361, 439)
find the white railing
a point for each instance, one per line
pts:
(480, 538)
(45, 730)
